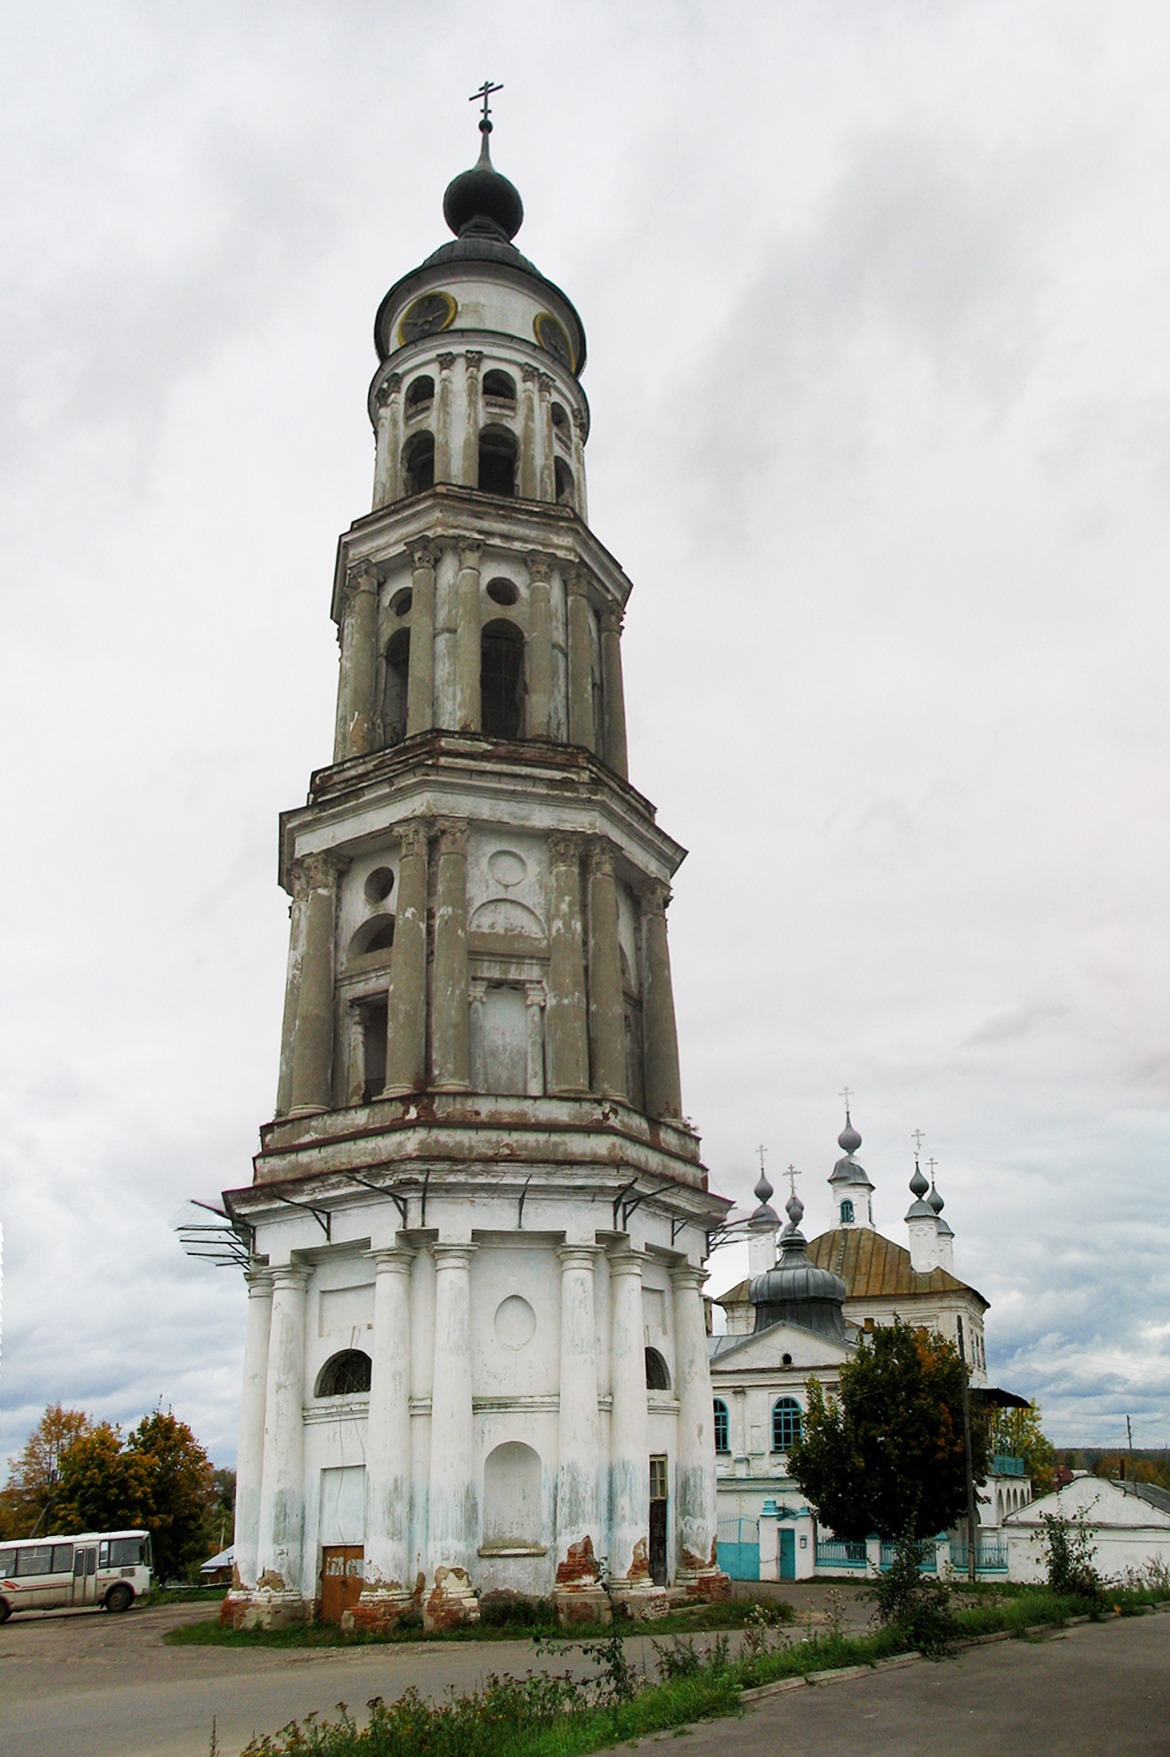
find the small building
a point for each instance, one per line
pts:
(1129, 1522)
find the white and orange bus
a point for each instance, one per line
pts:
(105, 1569)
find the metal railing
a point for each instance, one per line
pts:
(840, 1553)
(991, 1557)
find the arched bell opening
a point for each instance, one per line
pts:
(564, 485)
(501, 680)
(394, 687)
(420, 395)
(500, 389)
(418, 464)
(345, 1375)
(498, 452)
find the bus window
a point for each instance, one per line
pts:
(79, 1563)
(125, 1552)
(7, 1563)
(91, 1560)
(34, 1559)
(62, 1558)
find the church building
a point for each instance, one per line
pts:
(475, 1358)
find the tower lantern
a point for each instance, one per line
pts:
(476, 1353)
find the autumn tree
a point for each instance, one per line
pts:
(182, 1489)
(30, 1495)
(887, 1455)
(1017, 1434)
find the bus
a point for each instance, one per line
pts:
(105, 1569)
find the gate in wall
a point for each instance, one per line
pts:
(739, 1548)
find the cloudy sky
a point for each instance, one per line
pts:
(880, 374)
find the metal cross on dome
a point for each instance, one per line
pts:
(917, 1137)
(792, 1174)
(486, 90)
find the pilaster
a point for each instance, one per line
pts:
(406, 1013)
(250, 1455)
(315, 889)
(388, 440)
(607, 1041)
(443, 434)
(698, 1568)
(277, 1598)
(467, 637)
(450, 1043)
(613, 695)
(472, 361)
(568, 1038)
(629, 1442)
(663, 1088)
(581, 727)
(578, 1535)
(386, 1589)
(453, 1523)
(420, 682)
(359, 644)
(540, 653)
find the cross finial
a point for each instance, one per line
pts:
(932, 1163)
(485, 91)
(917, 1137)
(846, 1094)
(792, 1174)
(761, 1150)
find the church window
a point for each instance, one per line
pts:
(847, 1212)
(786, 1421)
(379, 884)
(497, 461)
(501, 680)
(394, 687)
(499, 388)
(418, 464)
(657, 1371)
(722, 1427)
(372, 1020)
(564, 482)
(502, 592)
(345, 1375)
(402, 601)
(560, 421)
(375, 935)
(420, 395)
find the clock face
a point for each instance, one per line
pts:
(550, 333)
(426, 317)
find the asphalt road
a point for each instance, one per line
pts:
(101, 1686)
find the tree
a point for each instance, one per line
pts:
(103, 1486)
(887, 1455)
(182, 1489)
(1017, 1433)
(29, 1498)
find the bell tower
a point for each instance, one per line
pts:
(476, 1354)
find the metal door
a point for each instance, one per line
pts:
(341, 1580)
(739, 1548)
(85, 1574)
(787, 1554)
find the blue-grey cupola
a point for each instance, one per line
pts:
(796, 1291)
(849, 1182)
(920, 1208)
(762, 1226)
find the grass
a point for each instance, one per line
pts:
(546, 1715)
(509, 1622)
(183, 1595)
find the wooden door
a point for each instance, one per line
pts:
(341, 1580)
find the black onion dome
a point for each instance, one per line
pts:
(798, 1290)
(483, 195)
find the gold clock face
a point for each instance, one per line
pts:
(550, 333)
(426, 317)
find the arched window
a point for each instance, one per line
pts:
(420, 395)
(511, 1497)
(375, 935)
(418, 463)
(847, 1212)
(501, 680)
(560, 421)
(657, 1371)
(346, 1375)
(786, 1421)
(497, 461)
(564, 482)
(499, 388)
(722, 1427)
(394, 687)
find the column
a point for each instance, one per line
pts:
(250, 1455)
(534, 1001)
(579, 1536)
(443, 434)
(450, 1045)
(663, 1089)
(580, 429)
(453, 1504)
(477, 1001)
(472, 361)
(312, 1064)
(540, 653)
(568, 1039)
(467, 637)
(406, 1014)
(581, 730)
(607, 1031)
(629, 1431)
(531, 445)
(694, 1469)
(386, 1589)
(280, 1541)
(546, 474)
(388, 441)
(359, 651)
(292, 993)
(612, 692)
(420, 679)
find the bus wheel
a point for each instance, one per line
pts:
(119, 1598)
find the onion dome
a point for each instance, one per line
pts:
(936, 1202)
(796, 1291)
(919, 1209)
(847, 1171)
(765, 1214)
(481, 200)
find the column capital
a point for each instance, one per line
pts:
(360, 576)
(564, 847)
(317, 872)
(529, 373)
(423, 552)
(654, 895)
(547, 383)
(413, 836)
(581, 424)
(474, 359)
(389, 388)
(612, 619)
(625, 1260)
(534, 995)
(291, 1275)
(687, 1275)
(392, 1259)
(446, 361)
(539, 565)
(452, 1256)
(470, 550)
(601, 855)
(576, 579)
(259, 1282)
(578, 1256)
(452, 834)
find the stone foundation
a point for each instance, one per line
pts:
(265, 1608)
(449, 1602)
